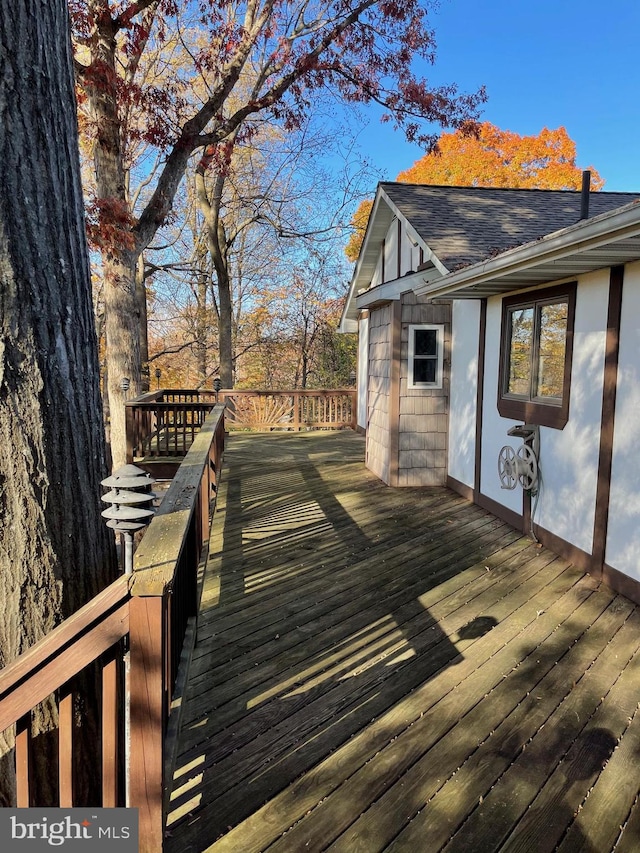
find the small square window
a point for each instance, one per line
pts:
(425, 356)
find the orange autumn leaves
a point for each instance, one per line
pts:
(491, 158)
(501, 158)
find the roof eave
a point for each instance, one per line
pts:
(392, 290)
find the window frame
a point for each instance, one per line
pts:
(439, 357)
(532, 409)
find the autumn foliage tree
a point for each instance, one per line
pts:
(360, 50)
(502, 158)
(491, 157)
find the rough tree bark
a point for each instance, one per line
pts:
(119, 251)
(55, 553)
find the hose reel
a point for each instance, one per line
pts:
(517, 467)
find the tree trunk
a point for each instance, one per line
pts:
(217, 245)
(225, 324)
(55, 552)
(202, 325)
(122, 324)
(143, 330)
(118, 246)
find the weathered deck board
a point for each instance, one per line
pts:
(383, 669)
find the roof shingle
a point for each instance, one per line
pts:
(465, 225)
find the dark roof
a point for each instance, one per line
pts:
(465, 225)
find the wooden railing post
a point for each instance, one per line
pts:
(297, 402)
(148, 704)
(110, 733)
(65, 748)
(131, 431)
(23, 761)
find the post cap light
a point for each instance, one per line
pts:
(130, 499)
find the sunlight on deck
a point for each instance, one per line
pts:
(396, 670)
(347, 659)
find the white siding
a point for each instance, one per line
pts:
(409, 255)
(410, 258)
(623, 535)
(391, 252)
(569, 457)
(377, 275)
(463, 389)
(494, 427)
(363, 370)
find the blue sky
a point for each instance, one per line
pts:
(548, 63)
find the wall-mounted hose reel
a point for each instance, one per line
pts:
(520, 466)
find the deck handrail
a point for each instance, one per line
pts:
(296, 410)
(162, 424)
(151, 609)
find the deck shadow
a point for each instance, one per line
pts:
(319, 624)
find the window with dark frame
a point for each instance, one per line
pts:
(535, 357)
(425, 356)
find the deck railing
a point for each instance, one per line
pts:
(291, 410)
(162, 424)
(150, 610)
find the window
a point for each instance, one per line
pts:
(535, 358)
(425, 356)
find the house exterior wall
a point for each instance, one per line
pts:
(465, 334)
(378, 442)
(623, 533)
(407, 429)
(494, 427)
(409, 253)
(363, 371)
(391, 253)
(569, 457)
(587, 507)
(377, 275)
(398, 254)
(423, 421)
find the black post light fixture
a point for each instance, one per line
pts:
(158, 375)
(217, 385)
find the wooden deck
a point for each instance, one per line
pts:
(398, 670)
